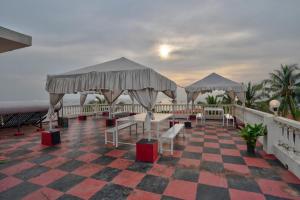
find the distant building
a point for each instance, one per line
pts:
(11, 40)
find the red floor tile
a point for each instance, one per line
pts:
(212, 179)
(120, 163)
(17, 168)
(211, 144)
(116, 153)
(176, 154)
(236, 168)
(190, 163)
(256, 162)
(244, 195)
(8, 182)
(87, 170)
(277, 188)
(289, 177)
(43, 194)
(226, 141)
(88, 157)
(128, 178)
(143, 195)
(181, 189)
(230, 152)
(241, 147)
(55, 162)
(211, 157)
(48, 177)
(194, 149)
(161, 170)
(86, 188)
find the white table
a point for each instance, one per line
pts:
(218, 111)
(158, 118)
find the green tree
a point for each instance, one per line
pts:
(282, 85)
(212, 100)
(255, 95)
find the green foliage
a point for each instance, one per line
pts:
(254, 95)
(212, 100)
(284, 85)
(250, 133)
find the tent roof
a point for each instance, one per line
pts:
(119, 74)
(120, 64)
(214, 82)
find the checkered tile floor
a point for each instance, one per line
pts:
(209, 163)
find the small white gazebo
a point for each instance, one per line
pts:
(111, 79)
(215, 82)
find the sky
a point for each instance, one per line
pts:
(241, 40)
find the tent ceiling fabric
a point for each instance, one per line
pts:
(214, 82)
(119, 74)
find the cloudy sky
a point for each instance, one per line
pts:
(242, 40)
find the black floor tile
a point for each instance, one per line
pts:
(228, 146)
(233, 159)
(206, 192)
(68, 197)
(270, 197)
(19, 191)
(242, 183)
(191, 155)
(169, 198)
(211, 140)
(31, 172)
(65, 183)
(42, 158)
(130, 155)
(112, 191)
(104, 160)
(74, 154)
(211, 150)
(258, 172)
(70, 165)
(198, 144)
(2, 176)
(153, 184)
(18, 152)
(140, 167)
(106, 174)
(213, 167)
(186, 174)
(168, 160)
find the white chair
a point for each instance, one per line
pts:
(229, 117)
(199, 116)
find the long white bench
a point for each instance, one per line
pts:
(114, 132)
(169, 135)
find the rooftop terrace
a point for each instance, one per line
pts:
(209, 163)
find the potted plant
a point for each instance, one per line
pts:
(250, 133)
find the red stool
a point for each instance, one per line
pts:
(192, 117)
(50, 138)
(105, 113)
(82, 117)
(110, 122)
(146, 151)
(171, 123)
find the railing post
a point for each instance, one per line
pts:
(272, 136)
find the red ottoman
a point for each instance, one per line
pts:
(50, 138)
(82, 117)
(147, 151)
(105, 113)
(171, 123)
(192, 117)
(110, 122)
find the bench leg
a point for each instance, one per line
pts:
(117, 138)
(105, 136)
(114, 138)
(171, 147)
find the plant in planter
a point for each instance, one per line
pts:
(250, 133)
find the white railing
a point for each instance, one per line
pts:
(180, 109)
(283, 138)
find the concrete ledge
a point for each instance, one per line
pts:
(288, 159)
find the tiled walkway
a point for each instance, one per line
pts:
(210, 163)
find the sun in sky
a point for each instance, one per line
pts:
(164, 51)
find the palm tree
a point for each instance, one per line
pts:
(283, 84)
(254, 94)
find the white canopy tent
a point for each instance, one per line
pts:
(111, 79)
(215, 82)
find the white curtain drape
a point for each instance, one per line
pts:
(132, 103)
(111, 97)
(147, 98)
(54, 99)
(82, 100)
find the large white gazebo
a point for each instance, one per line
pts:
(215, 82)
(111, 79)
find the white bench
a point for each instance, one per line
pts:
(114, 131)
(169, 135)
(229, 117)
